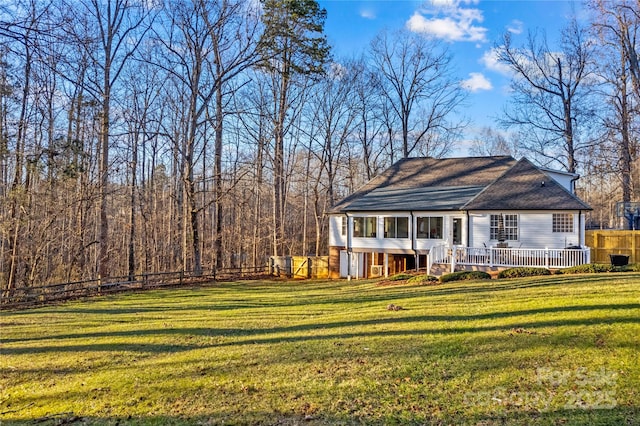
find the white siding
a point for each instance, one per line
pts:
(447, 223)
(563, 178)
(535, 230)
(379, 242)
(335, 229)
(395, 244)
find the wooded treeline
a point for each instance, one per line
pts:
(189, 135)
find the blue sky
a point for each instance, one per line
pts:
(471, 28)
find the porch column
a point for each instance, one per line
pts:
(385, 256)
(453, 259)
(349, 246)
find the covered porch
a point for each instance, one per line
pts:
(491, 257)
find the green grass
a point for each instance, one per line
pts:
(540, 350)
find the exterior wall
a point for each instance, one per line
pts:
(397, 245)
(563, 178)
(335, 229)
(369, 244)
(535, 230)
(423, 244)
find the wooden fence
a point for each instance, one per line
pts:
(30, 296)
(299, 266)
(605, 243)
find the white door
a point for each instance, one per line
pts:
(357, 264)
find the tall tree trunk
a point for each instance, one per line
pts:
(190, 190)
(103, 239)
(19, 188)
(625, 143)
(132, 210)
(217, 171)
(278, 165)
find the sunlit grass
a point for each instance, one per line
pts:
(540, 350)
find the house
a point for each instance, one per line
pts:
(480, 211)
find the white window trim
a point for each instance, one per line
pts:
(518, 224)
(562, 223)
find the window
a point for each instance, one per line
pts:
(343, 229)
(430, 227)
(396, 227)
(509, 227)
(562, 222)
(364, 227)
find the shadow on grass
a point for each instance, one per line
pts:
(273, 295)
(267, 294)
(237, 337)
(616, 416)
(420, 416)
(249, 332)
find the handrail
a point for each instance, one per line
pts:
(525, 257)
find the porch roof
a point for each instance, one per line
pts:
(407, 199)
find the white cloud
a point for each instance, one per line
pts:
(337, 71)
(451, 20)
(515, 27)
(452, 3)
(476, 82)
(490, 61)
(443, 3)
(367, 14)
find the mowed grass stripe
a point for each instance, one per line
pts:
(543, 350)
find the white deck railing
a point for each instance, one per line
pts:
(438, 254)
(509, 257)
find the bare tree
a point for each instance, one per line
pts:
(331, 116)
(210, 44)
(617, 24)
(20, 28)
(621, 21)
(549, 90)
(417, 79)
(493, 142)
(369, 126)
(233, 32)
(108, 33)
(253, 103)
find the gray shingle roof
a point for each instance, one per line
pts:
(525, 187)
(426, 184)
(476, 183)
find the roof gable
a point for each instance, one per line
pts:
(525, 187)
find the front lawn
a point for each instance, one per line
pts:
(538, 350)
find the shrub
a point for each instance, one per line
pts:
(465, 275)
(523, 272)
(633, 267)
(423, 279)
(594, 268)
(399, 277)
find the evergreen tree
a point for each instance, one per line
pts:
(293, 44)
